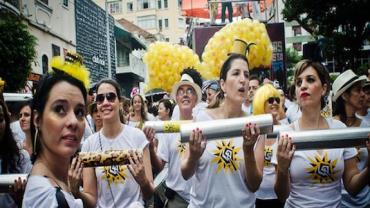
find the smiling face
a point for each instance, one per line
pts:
(25, 118)
(109, 110)
(309, 88)
(62, 123)
(186, 97)
(237, 81)
(163, 112)
(137, 103)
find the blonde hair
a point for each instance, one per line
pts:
(263, 93)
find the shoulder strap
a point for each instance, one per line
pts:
(62, 202)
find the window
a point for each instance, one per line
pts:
(167, 39)
(297, 46)
(65, 3)
(165, 4)
(297, 30)
(160, 25)
(55, 50)
(159, 4)
(181, 22)
(123, 57)
(115, 7)
(130, 6)
(147, 22)
(166, 23)
(45, 64)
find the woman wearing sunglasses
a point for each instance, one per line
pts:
(267, 101)
(226, 172)
(312, 178)
(116, 185)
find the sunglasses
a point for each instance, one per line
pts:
(272, 99)
(111, 97)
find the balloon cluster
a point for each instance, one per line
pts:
(165, 61)
(217, 48)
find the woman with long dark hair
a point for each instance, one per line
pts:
(13, 160)
(58, 123)
(227, 172)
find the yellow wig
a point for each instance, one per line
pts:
(263, 93)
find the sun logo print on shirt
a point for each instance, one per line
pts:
(268, 155)
(181, 148)
(226, 156)
(114, 174)
(322, 169)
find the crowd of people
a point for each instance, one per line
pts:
(252, 170)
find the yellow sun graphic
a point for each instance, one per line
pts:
(268, 155)
(114, 174)
(322, 170)
(181, 148)
(226, 156)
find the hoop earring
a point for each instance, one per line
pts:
(35, 141)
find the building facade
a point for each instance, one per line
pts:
(159, 17)
(53, 24)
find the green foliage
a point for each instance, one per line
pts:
(292, 58)
(17, 51)
(343, 23)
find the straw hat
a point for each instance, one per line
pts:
(186, 79)
(345, 81)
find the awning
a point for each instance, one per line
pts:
(122, 34)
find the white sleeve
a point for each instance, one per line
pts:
(349, 153)
(163, 147)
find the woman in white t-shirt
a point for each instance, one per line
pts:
(268, 100)
(58, 124)
(349, 97)
(116, 185)
(312, 178)
(226, 172)
(138, 114)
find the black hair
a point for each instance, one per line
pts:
(111, 82)
(41, 97)
(168, 105)
(223, 74)
(227, 64)
(195, 75)
(24, 104)
(255, 77)
(9, 151)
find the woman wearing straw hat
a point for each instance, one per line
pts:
(349, 98)
(226, 173)
(313, 178)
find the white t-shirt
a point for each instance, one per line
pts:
(172, 151)
(362, 199)
(40, 193)
(293, 112)
(122, 186)
(315, 179)
(219, 179)
(366, 117)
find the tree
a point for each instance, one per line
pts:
(343, 24)
(17, 51)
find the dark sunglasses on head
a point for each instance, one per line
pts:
(111, 97)
(272, 99)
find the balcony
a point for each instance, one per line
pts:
(136, 68)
